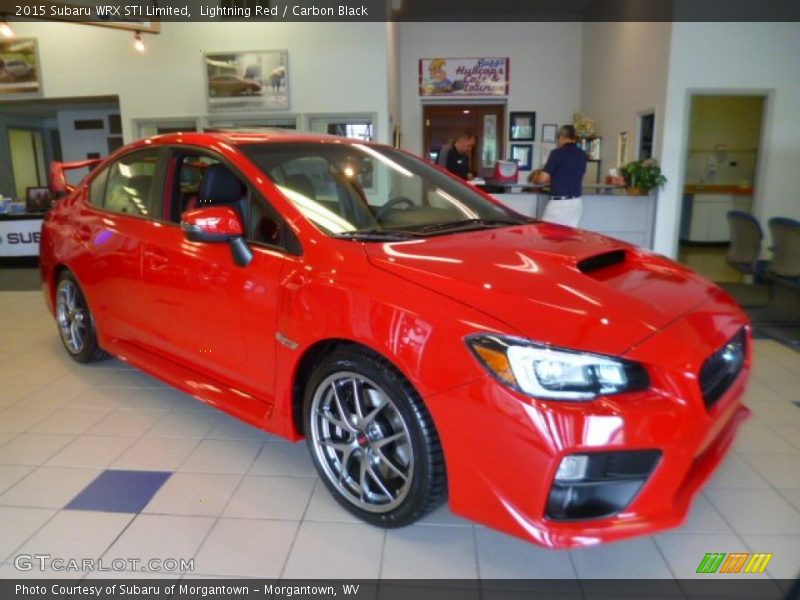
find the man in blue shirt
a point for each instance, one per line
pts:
(564, 172)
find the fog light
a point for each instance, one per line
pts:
(598, 485)
(572, 468)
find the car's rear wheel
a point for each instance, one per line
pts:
(372, 439)
(75, 322)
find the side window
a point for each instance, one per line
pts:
(262, 223)
(131, 185)
(97, 188)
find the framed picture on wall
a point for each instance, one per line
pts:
(253, 80)
(20, 73)
(549, 133)
(522, 126)
(37, 199)
(523, 155)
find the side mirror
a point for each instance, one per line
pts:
(217, 224)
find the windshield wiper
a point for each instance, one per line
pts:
(468, 225)
(376, 235)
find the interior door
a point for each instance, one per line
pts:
(27, 159)
(441, 123)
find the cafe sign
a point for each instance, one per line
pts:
(463, 76)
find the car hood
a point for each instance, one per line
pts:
(552, 284)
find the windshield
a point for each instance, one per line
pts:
(356, 190)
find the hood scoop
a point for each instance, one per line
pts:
(601, 261)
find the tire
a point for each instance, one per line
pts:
(75, 322)
(380, 458)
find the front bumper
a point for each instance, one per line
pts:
(503, 449)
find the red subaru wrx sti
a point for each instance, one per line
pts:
(427, 342)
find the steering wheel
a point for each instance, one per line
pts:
(392, 204)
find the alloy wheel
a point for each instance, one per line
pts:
(362, 442)
(72, 316)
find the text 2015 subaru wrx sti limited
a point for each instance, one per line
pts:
(427, 342)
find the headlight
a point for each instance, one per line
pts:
(545, 372)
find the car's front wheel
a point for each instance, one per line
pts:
(75, 322)
(372, 439)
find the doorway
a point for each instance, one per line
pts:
(27, 159)
(441, 123)
(720, 172)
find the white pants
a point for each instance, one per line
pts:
(564, 212)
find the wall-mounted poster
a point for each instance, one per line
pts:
(463, 76)
(256, 80)
(20, 75)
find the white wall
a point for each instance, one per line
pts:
(77, 143)
(545, 68)
(735, 58)
(333, 67)
(624, 74)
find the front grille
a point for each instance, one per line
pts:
(722, 368)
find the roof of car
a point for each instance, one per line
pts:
(260, 135)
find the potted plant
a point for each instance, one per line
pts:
(641, 176)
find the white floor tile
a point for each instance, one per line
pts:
(757, 436)
(222, 456)
(160, 537)
(756, 511)
(637, 558)
(6, 437)
(429, 552)
(684, 552)
(184, 423)
(17, 525)
(127, 423)
(780, 470)
(77, 534)
(11, 474)
(271, 498)
(793, 496)
(335, 551)
(51, 396)
(736, 473)
(502, 556)
(324, 508)
(443, 516)
(70, 420)
(91, 451)
(32, 448)
(281, 457)
(19, 418)
(49, 487)
(155, 454)
(230, 428)
(704, 518)
(193, 494)
(246, 548)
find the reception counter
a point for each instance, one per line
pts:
(607, 209)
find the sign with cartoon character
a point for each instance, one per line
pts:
(463, 76)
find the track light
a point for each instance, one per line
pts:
(138, 42)
(5, 29)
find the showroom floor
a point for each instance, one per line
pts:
(104, 461)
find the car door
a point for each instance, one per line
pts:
(207, 313)
(108, 226)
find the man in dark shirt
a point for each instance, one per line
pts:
(564, 172)
(455, 157)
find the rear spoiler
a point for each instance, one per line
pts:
(57, 179)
